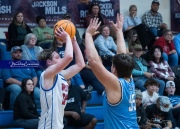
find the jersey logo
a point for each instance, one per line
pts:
(64, 93)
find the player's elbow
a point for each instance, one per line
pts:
(69, 57)
(92, 62)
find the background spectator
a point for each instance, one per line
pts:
(18, 29)
(132, 39)
(177, 44)
(24, 111)
(141, 113)
(140, 71)
(150, 96)
(175, 100)
(105, 46)
(134, 22)
(43, 33)
(75, 109)
(13, 78)
(169, 51)
(160, 114)
(153, 20)
(29, 50)
(159, 66)
(95, 12)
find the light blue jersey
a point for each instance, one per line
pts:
(123, 114)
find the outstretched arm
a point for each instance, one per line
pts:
(74, 69)
(109, 80)
(118, 27)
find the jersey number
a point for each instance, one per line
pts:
(132, 105)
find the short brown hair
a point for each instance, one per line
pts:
(151, 82)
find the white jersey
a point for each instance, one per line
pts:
(53, 102)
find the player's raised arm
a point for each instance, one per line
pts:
(110, 81)
(74, 69)
(54, 63)
(121, 46)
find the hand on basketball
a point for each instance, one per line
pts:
(119, 23)
(60, 33)
(93, 26)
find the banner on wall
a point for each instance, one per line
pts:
(175, 16)
(54, 10)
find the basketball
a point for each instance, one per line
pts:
(68, 26)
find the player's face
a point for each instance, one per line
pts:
(55, 57)
(19, 18)
(29, 86)
(95, 10)
(170, 90)
(32, 41)
(105, 31)
(154, 7)
(42, 23)
(138, 101)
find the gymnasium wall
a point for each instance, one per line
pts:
(142, 5)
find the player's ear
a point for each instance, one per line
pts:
(48, 62)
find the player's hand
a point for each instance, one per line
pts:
(63, 35)
(119, 23)
(76, 116)
(93, 26)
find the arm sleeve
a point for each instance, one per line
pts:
(147, 20)
(177, 44)
(40, 37)
(6, 74)
(33, 73)
(137, 72)
(114, 46)
(12, 32)
(28, 29)
(125, 25)
(137, 21)
(143, 116)
(159, 74)
(24, 53)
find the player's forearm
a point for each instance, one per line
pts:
(91, 50)
(69, 49)
(121, 47)
(78, 55)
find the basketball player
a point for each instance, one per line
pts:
(53, 85)
(119, 98)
